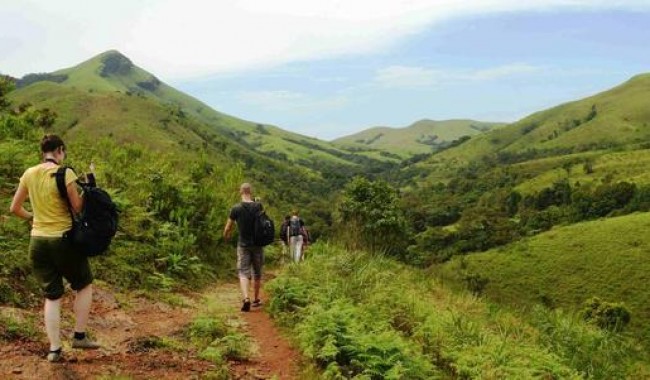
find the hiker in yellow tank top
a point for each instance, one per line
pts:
(51, 216)
(53, 258)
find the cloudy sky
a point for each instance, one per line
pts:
(330, 68)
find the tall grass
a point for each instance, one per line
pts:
(363, 315)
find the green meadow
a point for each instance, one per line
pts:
(566, 266)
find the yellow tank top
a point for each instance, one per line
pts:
(51, 216)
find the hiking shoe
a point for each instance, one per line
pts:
(85, 344)
(246, 305)
(257, 303)
(55, 356)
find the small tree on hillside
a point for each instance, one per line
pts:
(369, 217)
(6, 86)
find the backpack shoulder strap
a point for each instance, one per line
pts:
(61, 186)
(60, 183)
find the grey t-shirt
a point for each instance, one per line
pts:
(244, 214)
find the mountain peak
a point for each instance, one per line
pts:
(111, 52)
(114, 63)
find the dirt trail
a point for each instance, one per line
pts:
(128, 329)
(275, 357)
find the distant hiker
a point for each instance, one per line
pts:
(284, 237)
(295, 231)
(250, 257)
(53, 257)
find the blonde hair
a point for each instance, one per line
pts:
(245, 188)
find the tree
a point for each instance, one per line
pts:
(369, 217)
(6, 86)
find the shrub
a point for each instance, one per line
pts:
(611, 316)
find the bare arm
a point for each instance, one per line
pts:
(227, 230)
(75, 200)
(17, 203)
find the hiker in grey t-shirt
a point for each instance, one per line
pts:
(250, 258)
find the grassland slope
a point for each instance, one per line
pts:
(424, 136)
(616, 118)
(78, 94)
(566, 266)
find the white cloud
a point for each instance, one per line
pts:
(177, 39)
(414, 76)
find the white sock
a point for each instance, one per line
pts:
(52, 316)
(82, 302)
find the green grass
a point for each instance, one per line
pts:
(568, 265)
(17, 326)
(629, 166)
(217, 333)
(355, 314)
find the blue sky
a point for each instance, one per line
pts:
(334, 67)
(498, 67)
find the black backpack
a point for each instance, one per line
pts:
(264, 231)
(93, 230)
(294, 226)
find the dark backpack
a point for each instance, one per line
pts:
(283, 231)
(294, 227)
(264, 231)
(93, 230)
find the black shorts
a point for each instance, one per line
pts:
(54, 259)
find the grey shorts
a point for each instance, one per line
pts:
(250, 261)
(54, 259)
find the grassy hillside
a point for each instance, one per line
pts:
(108, 93)
(108, 96)
(357, 315)
(617, 118)
(586, 169)
(424, 136)
(568, 265)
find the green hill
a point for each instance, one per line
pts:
(617, 118)
(424, 136)
(109, 94)
(568, 265)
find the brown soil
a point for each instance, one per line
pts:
(275, 356)
(127, 329)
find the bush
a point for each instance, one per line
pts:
(606, 315)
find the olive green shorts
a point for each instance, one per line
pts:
(54, 259)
